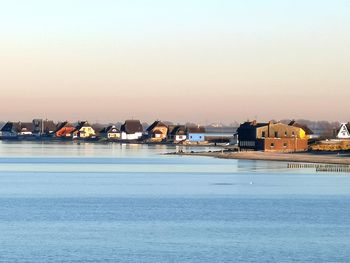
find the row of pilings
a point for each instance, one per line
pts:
(335, 168)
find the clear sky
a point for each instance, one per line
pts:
(196, 60)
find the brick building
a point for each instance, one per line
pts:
(271, 136)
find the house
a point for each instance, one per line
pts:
(195, 134)
(271, 137)
(43, 127)
(111, 133)
(10, 130)
(26, 128)
(131, 130)
(65, 130)
(157, 132)
(177, 133)
(84, 131)
(17, 130)
(343, 132)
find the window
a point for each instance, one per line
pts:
(263, 134)
(293, 133)
(272, 145)
(285, 145)
(276, 134)
(285, 133)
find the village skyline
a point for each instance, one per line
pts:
(232, 123)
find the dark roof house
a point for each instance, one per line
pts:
(177, 130)
(11, 130)
(131, 127)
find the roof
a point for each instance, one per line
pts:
(177, 130)
(195, 129)
(131, 126)
(252, 124)
(64, 124)
(307, 130)
(347, 125)
(109, 129)
(11, 127)
(82, 124)
(156, 124)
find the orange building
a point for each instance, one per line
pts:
(65, 130)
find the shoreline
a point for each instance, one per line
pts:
(65, 141)
(307, 157)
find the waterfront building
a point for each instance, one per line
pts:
(343, 132)
(111, 133)
(65, 130)
(10, 130)
(157, 131)
(271, 136)
(195, 134)
(26, 128)
(131, 130)
(177, 133)
(84, 131)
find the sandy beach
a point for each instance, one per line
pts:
(322, 158)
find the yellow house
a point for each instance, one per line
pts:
(84, 130)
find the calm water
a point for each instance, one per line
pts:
(128, 203)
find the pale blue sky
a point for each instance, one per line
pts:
(202, 61)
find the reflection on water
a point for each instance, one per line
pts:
(130, 203)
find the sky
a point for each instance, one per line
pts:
(185, 60)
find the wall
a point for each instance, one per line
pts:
(133, 136)
(283, 144)
(283, 130)
(196, 137)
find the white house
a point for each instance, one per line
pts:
(343, 132)
(131, 130)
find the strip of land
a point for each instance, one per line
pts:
(322, 158)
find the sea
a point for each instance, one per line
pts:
(90, 202)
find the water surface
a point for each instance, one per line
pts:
(74, 202)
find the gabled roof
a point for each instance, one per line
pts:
(110, 129)
(11, 127)
(156, 124)
(344, 131)
(63, 125)
(82, 124)
(131, 126)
